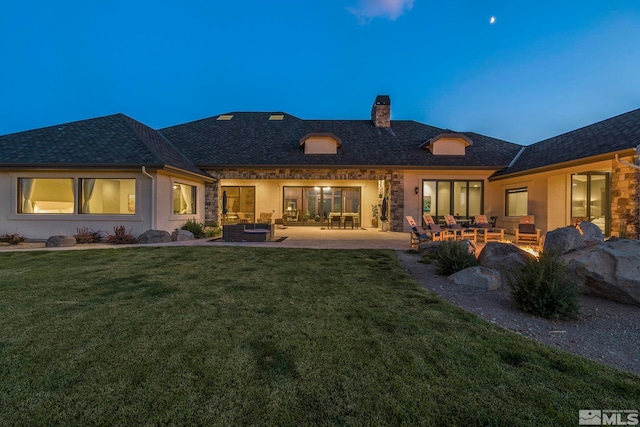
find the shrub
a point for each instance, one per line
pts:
(543, 288)
(12, 239)
(453, 256)
(197, 228)
(87, 235)
(121, 236)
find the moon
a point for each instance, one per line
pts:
(492, 20)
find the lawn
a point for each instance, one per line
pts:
(261, 336)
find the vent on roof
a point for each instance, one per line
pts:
(276, 117)
(225, 117)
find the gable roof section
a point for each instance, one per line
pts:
(618, 133)
(251, 140)
(114, 141)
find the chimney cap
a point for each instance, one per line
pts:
(383, 100)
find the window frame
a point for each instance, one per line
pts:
(515, 190)
(194, 198)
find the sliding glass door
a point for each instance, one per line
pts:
(590, 198)
(313, 205)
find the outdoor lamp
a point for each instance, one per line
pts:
(417, 190)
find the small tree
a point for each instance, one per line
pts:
(543, 288)
(454, 256)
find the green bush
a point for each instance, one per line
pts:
(121, 236)
(543, 288)
(452, 257)
(12, 239)
(87, 235)
(197, 228)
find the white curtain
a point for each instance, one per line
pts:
(88, 185)
(28, 185)
(185, 191)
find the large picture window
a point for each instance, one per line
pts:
(107, 196)
(184, 199)
(45, 196)
(240, 203)
(313, 205)
(516, 202)
(464, 198)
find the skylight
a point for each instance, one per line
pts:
(276, 117)
(225, 117)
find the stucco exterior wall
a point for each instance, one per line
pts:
(158, 191)
(412, 202)
(165, 218)
(269, 185)
(42, 226)
(549, 196)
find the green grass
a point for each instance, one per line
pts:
(261, 336)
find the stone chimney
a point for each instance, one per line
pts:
(381, 112)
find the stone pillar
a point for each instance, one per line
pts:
(397, 201)
(212, 201)
(625, 203)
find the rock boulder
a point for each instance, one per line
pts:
(481, 277)
(591, 233)
(182, 235)
(563, 240)
(503, 257)
(610, 270)
(154, 236)
(60, 242)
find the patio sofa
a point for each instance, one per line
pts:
(248, 232)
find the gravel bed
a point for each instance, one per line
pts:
(605, 331)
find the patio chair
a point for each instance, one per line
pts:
(487, 230)
(334, 220)
(265, 218)
(348, 219)
(459, 231)
(428, 220)
(420, 235)
(527, 233)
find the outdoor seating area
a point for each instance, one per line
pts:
(247, 232)
(487, 230)
(345, 220)
(527, 233)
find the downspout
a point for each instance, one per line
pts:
(153, 197)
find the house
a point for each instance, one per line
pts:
(97, 173)
(114, 170)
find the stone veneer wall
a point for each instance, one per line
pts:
(625, 203)
(212, 191)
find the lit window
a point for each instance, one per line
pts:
(45, 195)
(184, 199)
(516, 202)
(108, 196)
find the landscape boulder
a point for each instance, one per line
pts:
(60, 242)
(480, 277)
(610, 270)
(182, 235)
(154, 236)
(563, 240)
(503, 257)
(591, 233)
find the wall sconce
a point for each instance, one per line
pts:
(417, 190)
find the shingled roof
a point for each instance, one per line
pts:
(114, 141)
(252, 140)
(608, 136)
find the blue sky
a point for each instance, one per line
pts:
(541, 69)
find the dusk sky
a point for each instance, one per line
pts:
(540, 69)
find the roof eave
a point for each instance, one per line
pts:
(564, 165)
